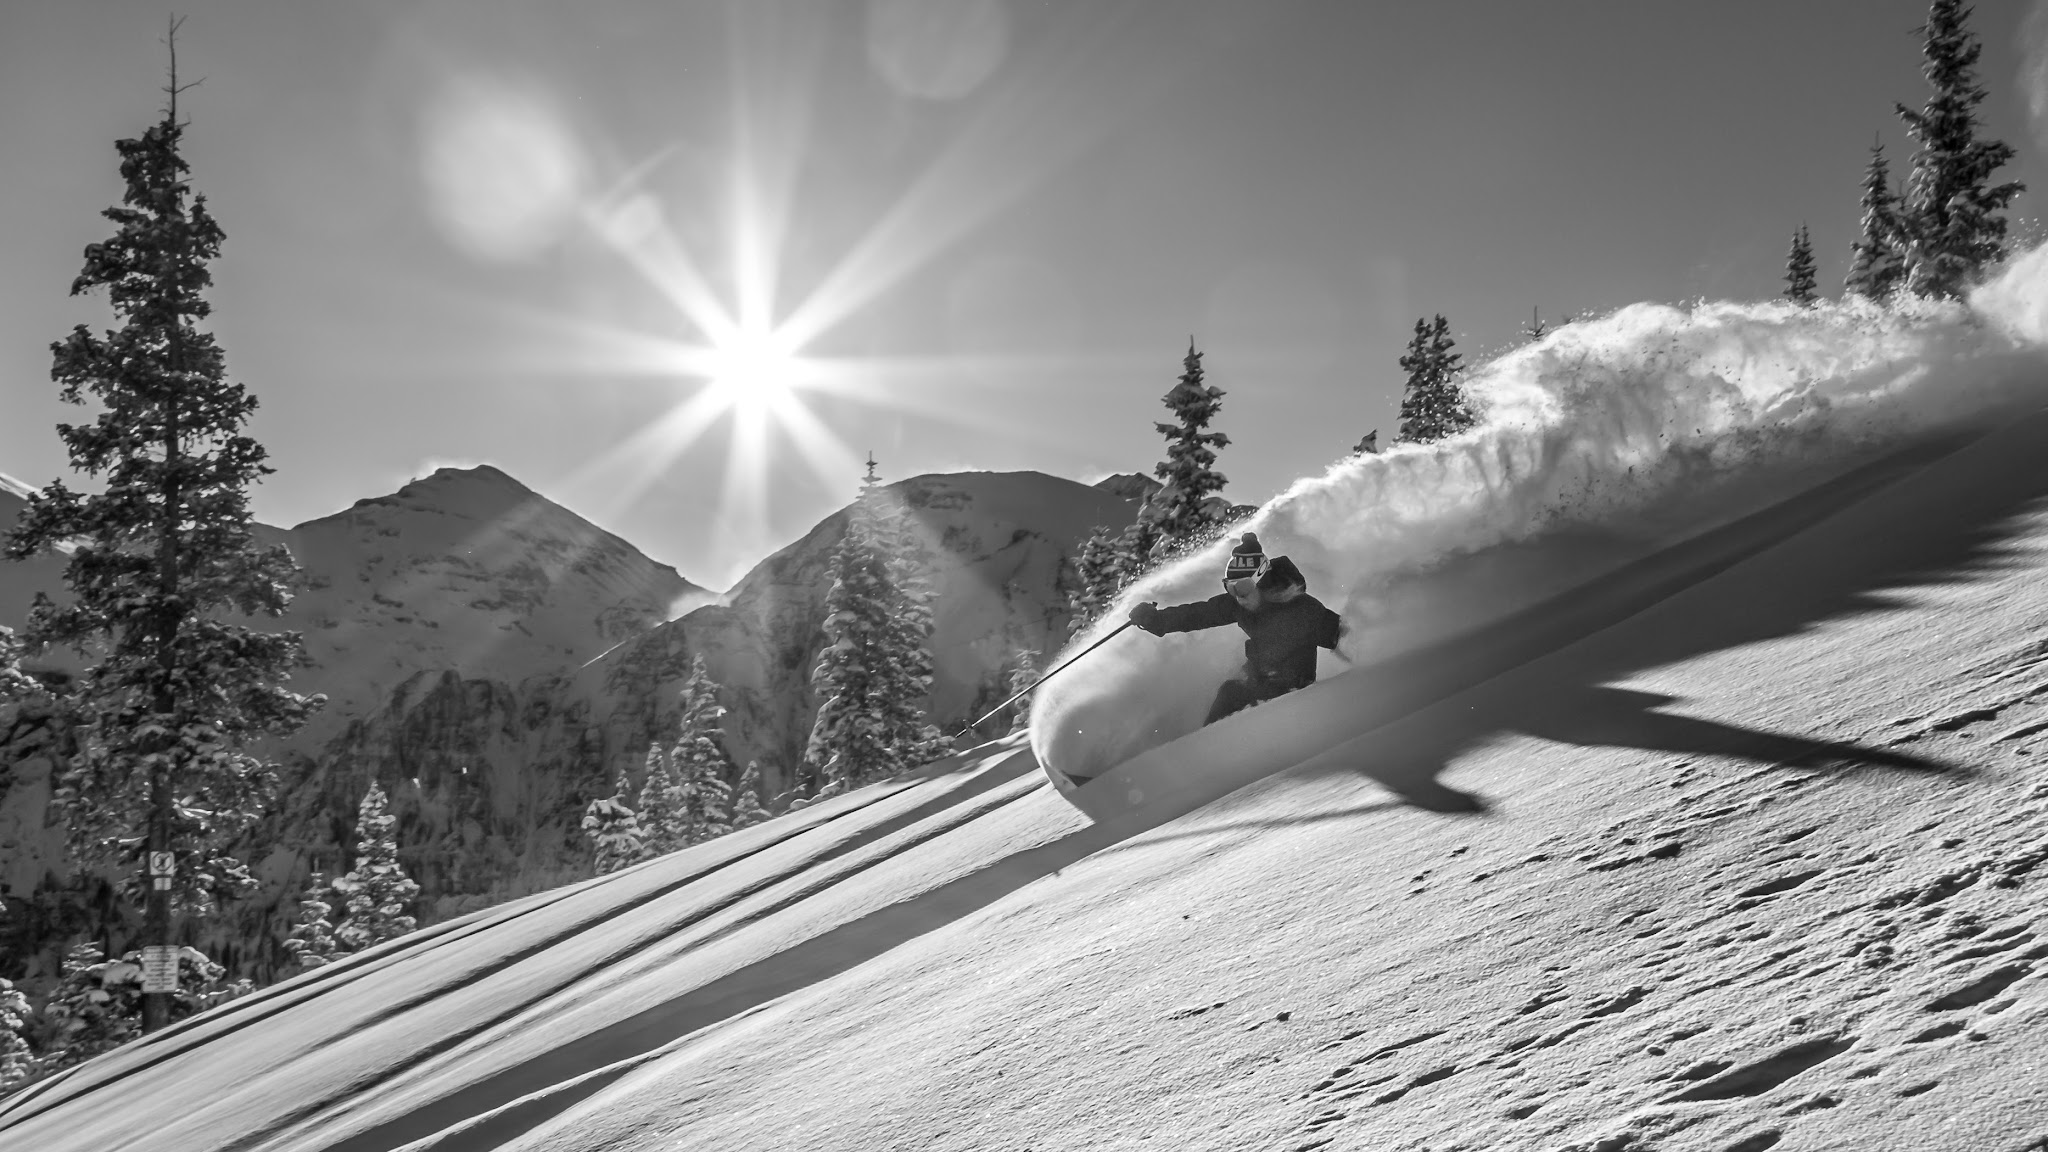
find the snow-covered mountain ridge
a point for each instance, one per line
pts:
(492, 658)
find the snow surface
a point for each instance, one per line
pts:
(1738, 844)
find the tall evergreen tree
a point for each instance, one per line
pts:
(312, 942)
(1952, 212)
(747, 810)
(875, 669)
(1433, 404)
(847, 743)
(1179, 512)
(700, 760)
(160, 557)
(614, 829)
(377, 890)
(664, 804)
(1799, 278)
(1877, 265)
(905, 685)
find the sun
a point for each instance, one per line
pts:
(753, 369)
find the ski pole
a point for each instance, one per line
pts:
(1049, 675)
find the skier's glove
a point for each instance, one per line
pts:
(1146, 616)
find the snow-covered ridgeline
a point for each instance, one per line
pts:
(1596, 444)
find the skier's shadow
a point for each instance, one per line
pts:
(1938, 513)
(1607, 717)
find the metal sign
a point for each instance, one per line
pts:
(163, 864)
(160, 967)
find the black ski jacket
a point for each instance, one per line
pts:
(1280, 639)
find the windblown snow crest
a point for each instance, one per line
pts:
(1603, 442)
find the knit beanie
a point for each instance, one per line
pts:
(1247, 559)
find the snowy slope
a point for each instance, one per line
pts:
(1756, 862)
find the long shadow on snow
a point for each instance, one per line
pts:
(508, 1103)
(1939, 510)
(1947, 519)
(601, 900)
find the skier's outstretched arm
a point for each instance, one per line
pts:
(1214, 612)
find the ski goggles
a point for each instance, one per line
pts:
(1242, 585)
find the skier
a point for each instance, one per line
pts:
(1283, 626)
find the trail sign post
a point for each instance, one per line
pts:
(160, 968)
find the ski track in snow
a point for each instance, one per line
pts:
(1768, 874)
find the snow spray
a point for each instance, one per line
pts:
(1600, 443)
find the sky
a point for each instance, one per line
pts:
(682, 266)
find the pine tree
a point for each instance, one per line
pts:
(312, 942)
(905, 683)
(747, 811)
(700, 762)
(1799, 279)
(160, 557)
(1108, 564)
(664, 804)
(875, 670)
(88, 1013)
(614, 829)
(1433, 405)
(1022, 673)
(847, 743)
(377, 889)
(1951, 214)
(17, 1062)
(1535, 329)
(1877, 265)
(1179, 511)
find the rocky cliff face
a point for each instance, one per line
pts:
(494, 660)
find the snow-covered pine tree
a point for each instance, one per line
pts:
(847, 741)
(17, 1060)
(1101, 571)
(160, 559)
(664, 804)
(905, 686)
(1179, 511)
(1953, 226)
(377, 890)
(87, 1013)
(1877, 264)
(1799, 278)
(1021, 673)
(875, 670)
(700, 761)
(1433, 404)
(312, 942)
(747, 810)
(614, 829)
